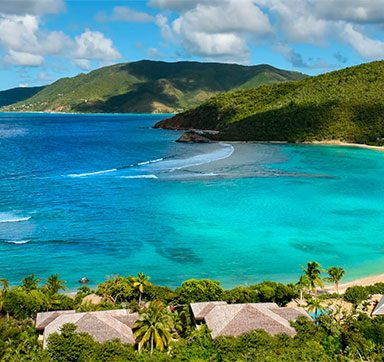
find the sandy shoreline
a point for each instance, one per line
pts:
(358, 282)
(346, 144)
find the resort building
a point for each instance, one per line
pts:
(224, 319)
(379, 309)
(102, 325)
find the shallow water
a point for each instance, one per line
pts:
(103, 195)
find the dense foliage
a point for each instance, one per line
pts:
(346, 105)
(148, 86)
(15, 95)
(169, 334)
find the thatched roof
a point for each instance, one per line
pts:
(44, 318)
(201, 309)
(379, 310)
(102, 325)
(236, 319)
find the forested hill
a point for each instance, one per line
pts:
(345, 105)
(149, 87)
(14, 95)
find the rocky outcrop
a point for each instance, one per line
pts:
(193, 137)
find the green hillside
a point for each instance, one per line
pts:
(346, 105)
(148, 86)
(14, 95)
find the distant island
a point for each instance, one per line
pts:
(345, 105)
(142, 87)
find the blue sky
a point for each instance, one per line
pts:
(43, 40)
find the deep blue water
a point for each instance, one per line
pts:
(107, 194)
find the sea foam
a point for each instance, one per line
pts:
(92, 173)
(6, 217)
(140, 177)
(17, 242)
(223, 152)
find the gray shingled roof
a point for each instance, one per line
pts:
(379, 310)
(102, 325)
(236, 319)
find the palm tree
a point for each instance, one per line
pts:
(303, 284)
(140, 283)
(313, 272)
(54, 284)
(3, 291)
(154, 327)
(30, 282)
(315, 305)
(335, 275)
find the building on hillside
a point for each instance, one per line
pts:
(224, 319)
(379, 309)
(102, 325)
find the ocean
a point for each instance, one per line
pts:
(102, 195)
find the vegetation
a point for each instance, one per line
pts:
(154, 327)
(312, 272)
(165, 330)
(345, 105)
(15, 95)
(335, 275)
(148, 87)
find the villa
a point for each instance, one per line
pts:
(379, 309)
(224, 319)
(102, 325)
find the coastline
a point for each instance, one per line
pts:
(363, 282)
(346, 144)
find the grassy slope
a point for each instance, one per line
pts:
(344, 105)
(148, 86)
(14, 95)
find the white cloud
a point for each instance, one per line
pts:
(84, 64)
(216, 29)
(21, 34)
(93, 45)
(297, 21)
(125, 14)
(24, 59)
(23, 85)
(32, 7)
(368, 48)
(165, 28)
(43, 77)
(181, 5)
(360, 11)
(229, 16)
(153, 52)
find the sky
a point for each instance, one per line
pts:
(44, 40)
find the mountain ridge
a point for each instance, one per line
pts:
(345, 105)
(148, 87)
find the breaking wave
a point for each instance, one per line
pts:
(17, 242)
(5, 218)
(140, 177)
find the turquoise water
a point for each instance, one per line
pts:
(104, 195)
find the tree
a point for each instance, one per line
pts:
(203, 290)
(315, 305)
(3, 291)
(117, 289)
(313, 272)
(303, 284)
(140, 283)
(30, 282)
(356, 294)
(154, 327)
(54, 284)
(335, 275)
